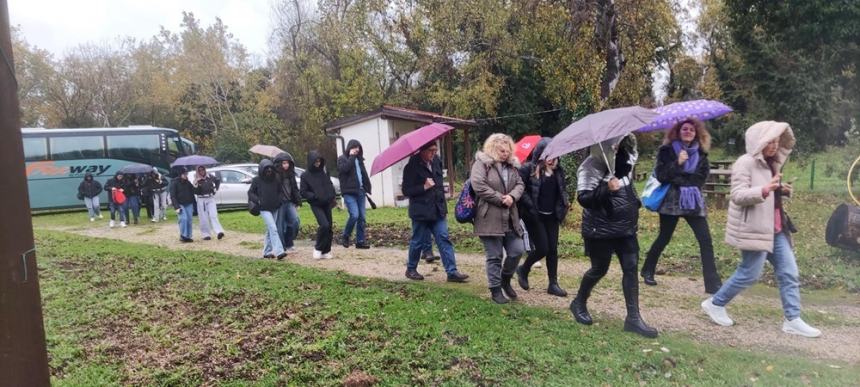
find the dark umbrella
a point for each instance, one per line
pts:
(193, 161)
(133, 169)
(597, 127)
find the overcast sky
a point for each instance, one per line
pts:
(57, 25)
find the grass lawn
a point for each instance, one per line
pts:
(122, 313)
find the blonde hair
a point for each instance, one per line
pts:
(702, 135)
(500, 139)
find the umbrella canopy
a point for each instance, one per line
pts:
(193, 161)
(408, 144)
(133, 169)
(702, 109)
(597, 127)
(269, 151)
(525, 146)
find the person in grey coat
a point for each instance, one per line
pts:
(496, 181)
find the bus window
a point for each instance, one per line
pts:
(190, 149)
(141, 148)
(35, 149)
(77, 148)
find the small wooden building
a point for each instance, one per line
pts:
(377, 129)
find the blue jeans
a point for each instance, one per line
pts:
(272, 242)
(421, 232)
(288, 224)
(355, 205)
(117, 208)
(749, 271)
(132, 203)
(186, 220)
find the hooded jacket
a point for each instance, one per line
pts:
(181, 192)
(266, 190)
(528, 204)
(290, 190)
(606, 214)
(347, 173)
(750, 223)
(316, 184)
(492, 217)
(156, 183)
(90, 187)
(425, 205)
(206, 185)
(115, 182)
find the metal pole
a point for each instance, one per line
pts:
(23, 356)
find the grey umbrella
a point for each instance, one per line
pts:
(597, 127)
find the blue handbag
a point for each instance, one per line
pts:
(654, 192)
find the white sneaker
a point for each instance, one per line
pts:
(153, 220)
(292, 250)
(100, 216)
(799, 327)
(717, 313)
(92, 219)
(328, 256)
(318, 254)
(122, 224)
(111, 224)
(537, 264)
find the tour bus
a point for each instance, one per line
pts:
(58, 159)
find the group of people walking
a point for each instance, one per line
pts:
(519, 208)
(127, 194)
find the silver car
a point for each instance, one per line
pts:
(236, 179)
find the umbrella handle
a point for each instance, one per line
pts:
(603, 153)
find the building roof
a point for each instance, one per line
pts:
(387, 111)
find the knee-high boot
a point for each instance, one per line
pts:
(578, 306)
(630, 284)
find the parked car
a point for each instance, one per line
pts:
(236, 179)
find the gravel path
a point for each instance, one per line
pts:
(673, 306)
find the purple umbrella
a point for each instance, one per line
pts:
(193, 161)
(597, 127)
(408, 144)
(702, 109)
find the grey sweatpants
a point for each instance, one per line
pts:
(511, 246)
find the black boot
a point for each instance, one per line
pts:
(555, 290)
(633, 322)
(523, 277)
(580, 312)
(497, 296)
(648, 277)
(507, 288)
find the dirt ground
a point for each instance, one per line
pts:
(672, 306)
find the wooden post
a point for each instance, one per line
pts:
(449, 159)
(23, 357)
(468, 149)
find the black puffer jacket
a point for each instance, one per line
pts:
(346, 170)
(528, 204)
(90, 187)
(607, 215)
(316, 185)
(133, 186)
(266, 187)
(290, 191)
(424, 205)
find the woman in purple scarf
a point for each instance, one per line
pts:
(682, 161)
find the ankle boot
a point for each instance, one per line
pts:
(580, 311)
(633, 322)
(523, 277)
(497, 296)
(555, 290)
(648, 278)
(507, 288)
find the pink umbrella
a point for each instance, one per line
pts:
(408, 144)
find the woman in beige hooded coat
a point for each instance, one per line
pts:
(758, 226)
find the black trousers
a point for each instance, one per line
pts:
(702, 231)
(543, 234)
(600, 252)
(146, 202)
(324, 232)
